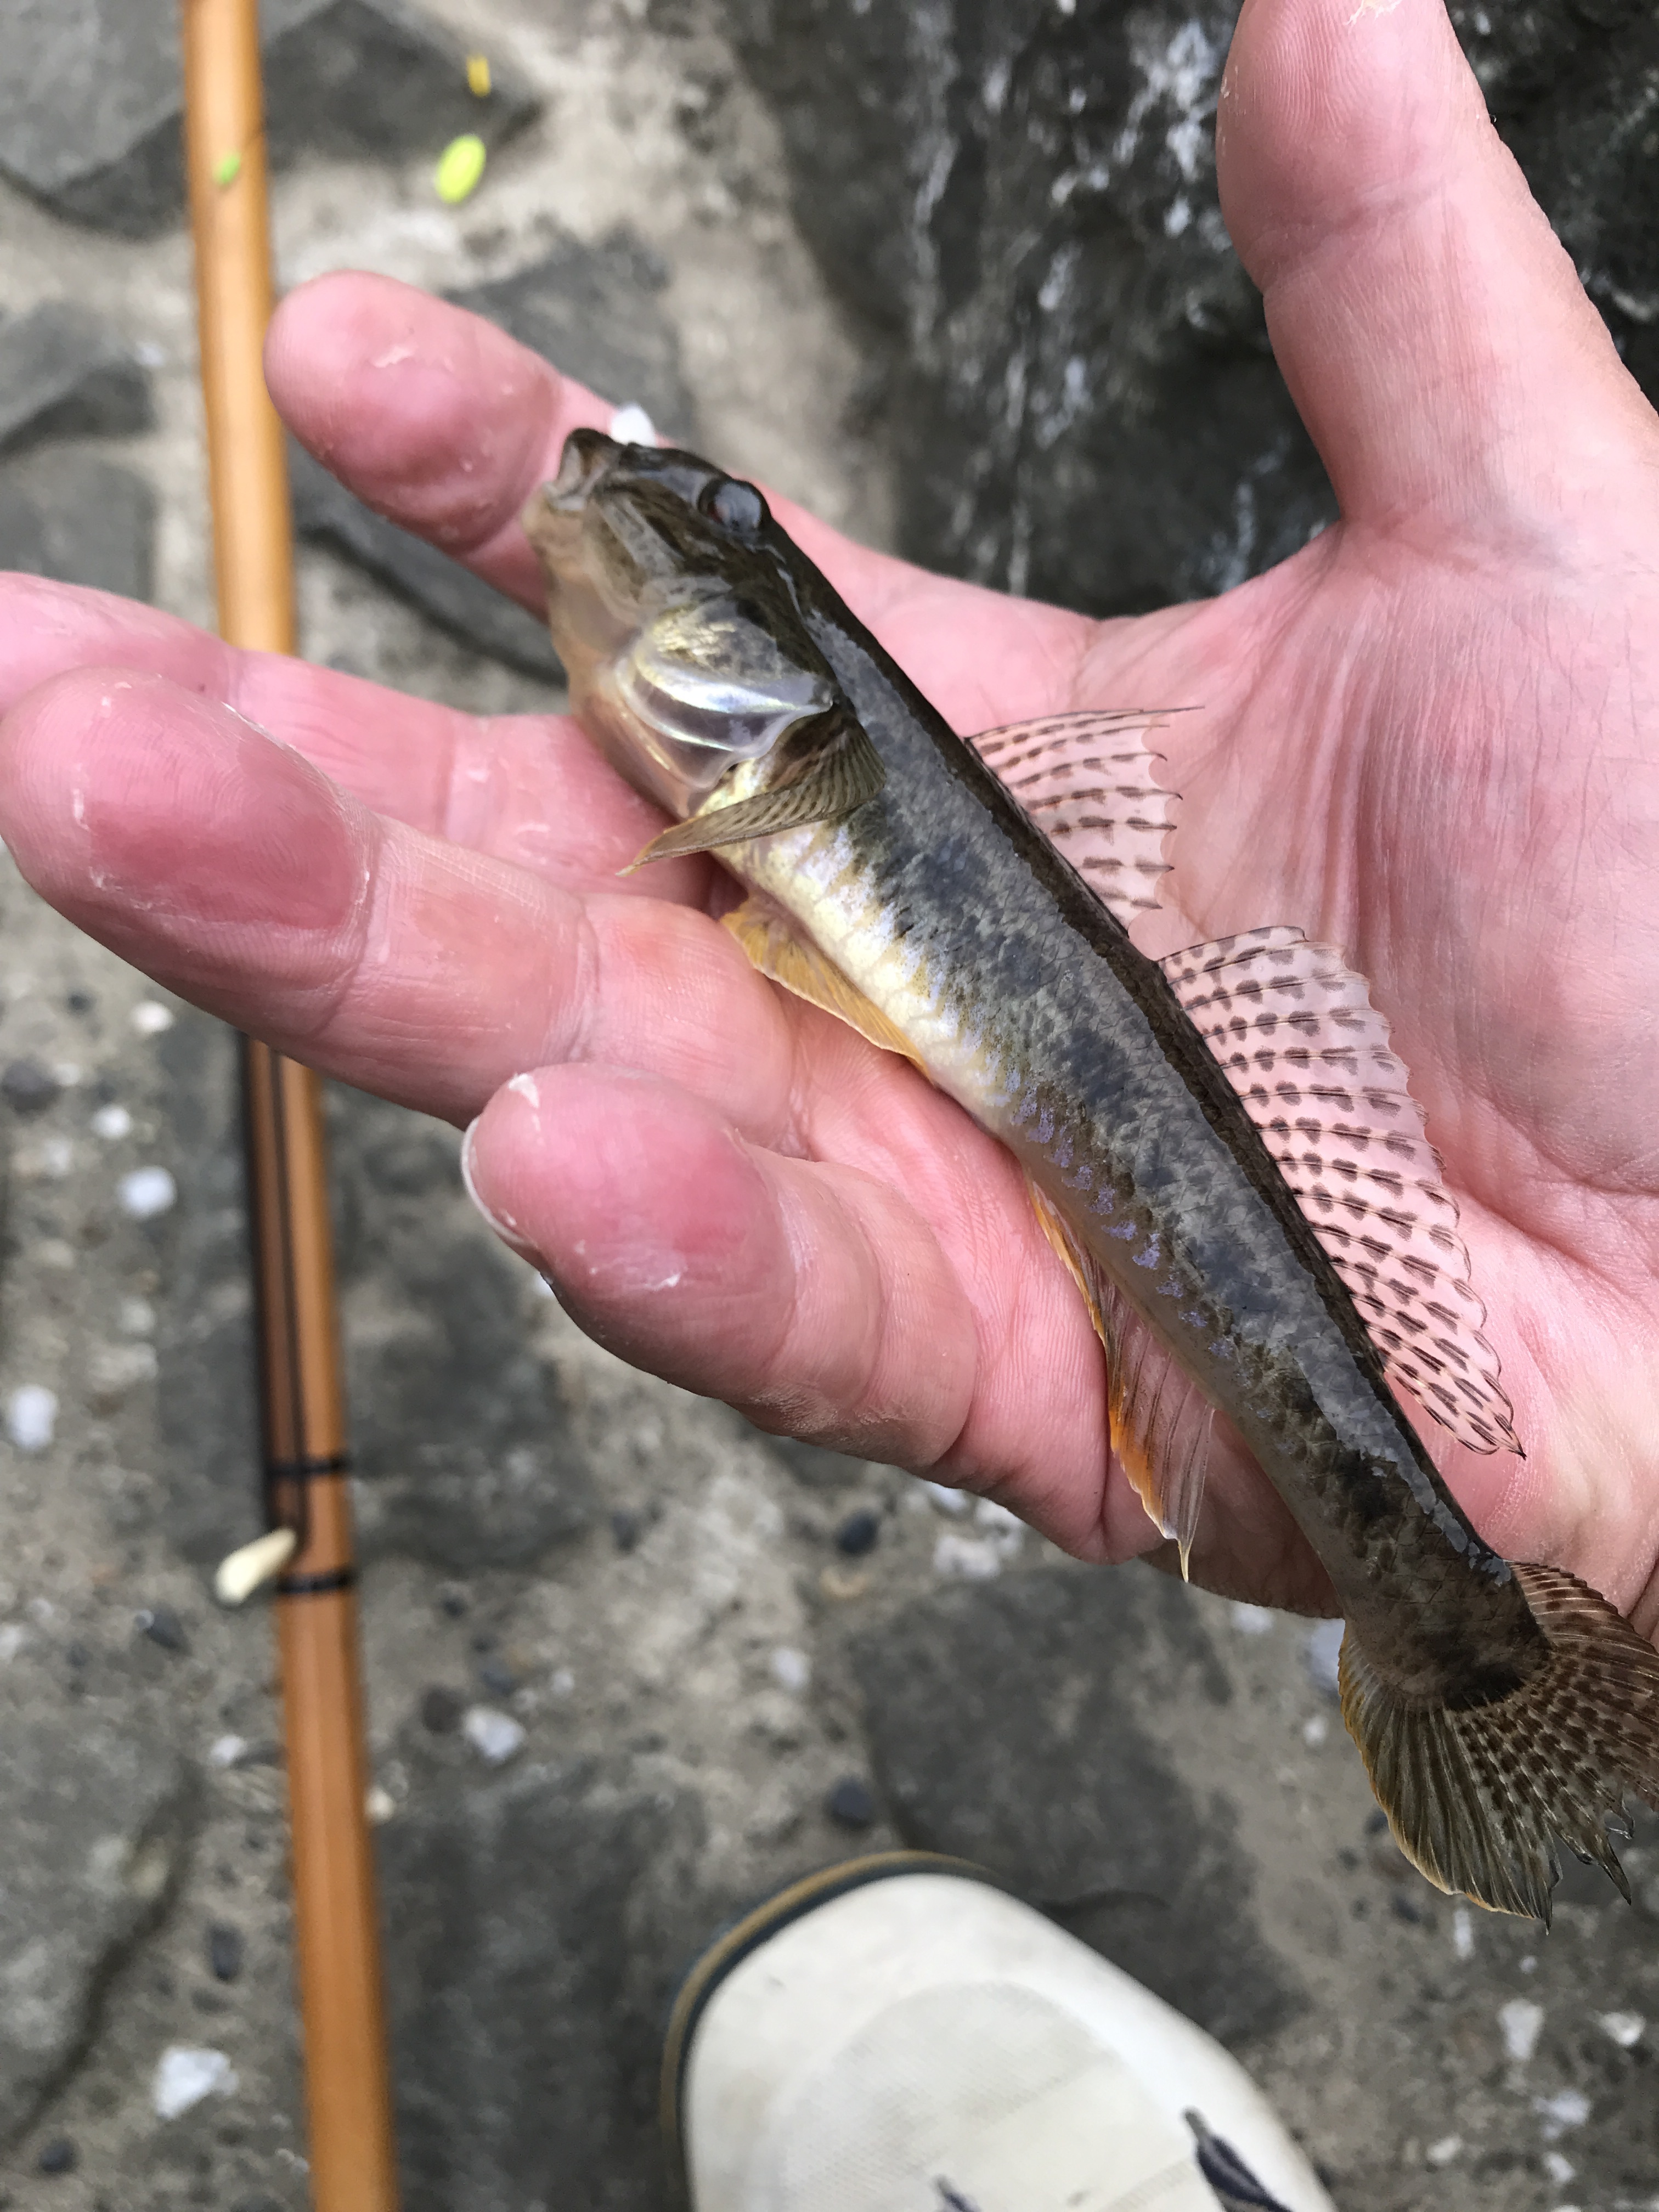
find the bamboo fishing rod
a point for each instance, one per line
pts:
(347, 2085)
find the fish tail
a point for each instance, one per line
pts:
(1476, 1797)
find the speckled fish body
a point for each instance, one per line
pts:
(948, 912)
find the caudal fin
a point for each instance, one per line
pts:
(1477, 1798)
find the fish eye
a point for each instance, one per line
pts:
(737, 505)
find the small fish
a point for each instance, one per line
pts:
(1219, 1144)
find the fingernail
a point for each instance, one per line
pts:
(503, 1223)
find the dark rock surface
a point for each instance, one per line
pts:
(65, 373)
(542, 1921)
(595, 312)
(97, 1820)
(90, 96)
(80, 519)
(1019, 202)
(1010, 1724)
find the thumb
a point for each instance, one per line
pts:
(1432, 331)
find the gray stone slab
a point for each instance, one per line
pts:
(79, 518)
(90, 96)
(540, 1920)
(1004, 1724)
(452, 596)
(97, 1818)
(207, 1403)
(465, 1451)
(596, 313)
(67, 373)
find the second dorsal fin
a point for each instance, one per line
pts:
(1087, 781)
(1293, 1029)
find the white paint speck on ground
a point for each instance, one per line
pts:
(790, 1668)
(1567, 2108)
(497, 1737)
(1315, 1729)
(150, 1017)
(1463, 1931)
(146, 1192)
(1321, 1652)
(1624, 2027)
(1559, 2170)
(226, 1750)
(1521, 2022)
(13, 1637)
(1250, 1619)
(111, 1123)
(1444, 2152)
(184, 2076)
(632, 426)
(563, 1683)
(378, 1805)
(943, 1499)
(32, 1417)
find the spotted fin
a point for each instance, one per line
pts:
(1160, 1419)
(768, 936)
(817, 771)
(1477, 1795)
(1090, 785)
(1298, 1038)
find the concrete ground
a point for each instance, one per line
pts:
(630, 1663)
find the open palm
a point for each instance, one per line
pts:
(1424, 738)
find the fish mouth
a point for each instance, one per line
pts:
(587, 460)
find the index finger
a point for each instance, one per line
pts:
(446, 426)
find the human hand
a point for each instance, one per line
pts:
(1422, 738)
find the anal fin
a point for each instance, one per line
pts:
(773, 947)
(1160, 1419)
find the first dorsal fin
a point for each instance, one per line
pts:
(1089, 784)
(1295, 1032)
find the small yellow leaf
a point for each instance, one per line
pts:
(226, 170)
(477, 75)
(459, 167)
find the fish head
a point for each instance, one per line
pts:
(671, 605)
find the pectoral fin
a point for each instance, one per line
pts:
(818, 771)
(1160, 1419)
(766, 936)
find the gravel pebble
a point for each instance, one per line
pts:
(497, 1737)
(225, 1950)
(32, 1417)
(27, 1087)
(850, 1803)
(146, 1192)
(859, 1532)
(184, 2075)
